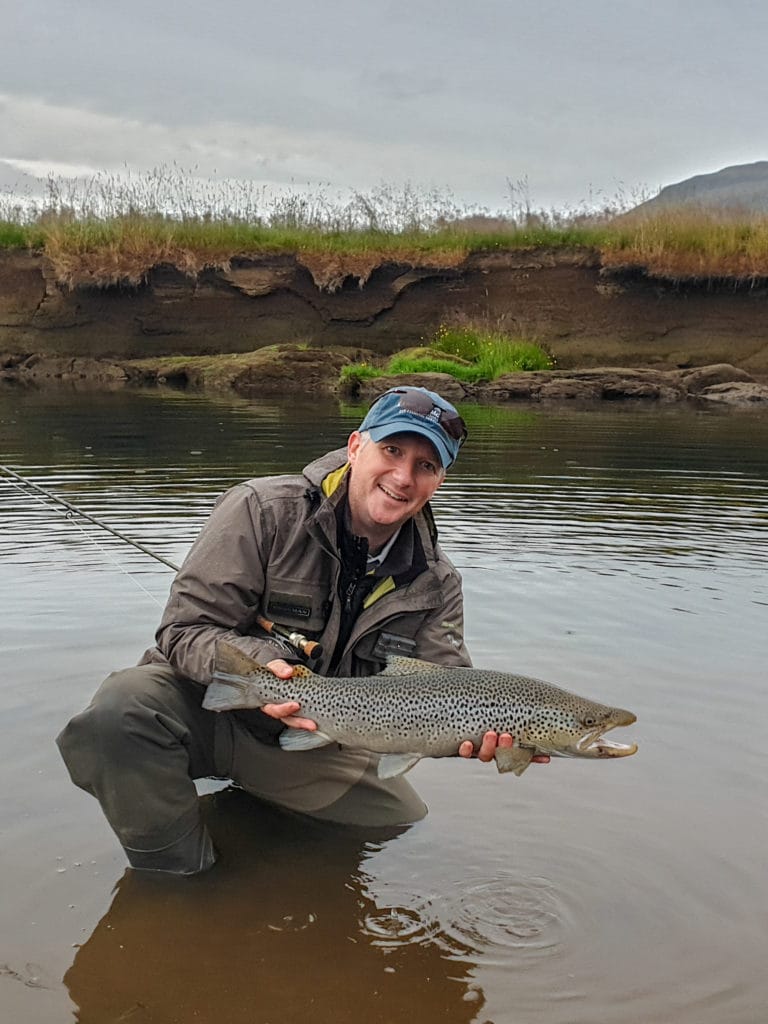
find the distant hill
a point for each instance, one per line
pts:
(743, 187)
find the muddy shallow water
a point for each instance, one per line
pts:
(621, 553)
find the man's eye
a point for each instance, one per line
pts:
(429, 467)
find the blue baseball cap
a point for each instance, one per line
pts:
(410, 410)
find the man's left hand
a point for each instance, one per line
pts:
(286, 713)
(488, 747)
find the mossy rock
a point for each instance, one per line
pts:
(425, 352)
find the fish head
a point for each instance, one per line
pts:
(578, 730)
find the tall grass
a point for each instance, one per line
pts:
(113, 228)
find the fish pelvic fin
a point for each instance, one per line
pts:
(513, 759)
(303, 739)
(399, 665)
(391, 765)
(221, 696)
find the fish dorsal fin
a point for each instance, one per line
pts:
(398, 665)
(302, 672)
(233, 661)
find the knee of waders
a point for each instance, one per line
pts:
(123, 711)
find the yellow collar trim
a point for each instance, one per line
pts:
(333, 480)
(383, 588)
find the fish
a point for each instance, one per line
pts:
(414, 709)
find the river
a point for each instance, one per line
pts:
(622, 553)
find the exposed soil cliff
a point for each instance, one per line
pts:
(585, 316)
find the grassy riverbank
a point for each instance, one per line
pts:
(113, 232)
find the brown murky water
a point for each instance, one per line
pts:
(621, 553)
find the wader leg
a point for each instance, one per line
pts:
(137, 748)
(327, 783)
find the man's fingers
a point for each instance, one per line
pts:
(488, 746)
(286, 713)
(280, 668)
(490, 742)
(300, 723)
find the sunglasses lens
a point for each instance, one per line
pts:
(451, 422)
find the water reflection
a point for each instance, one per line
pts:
(272, 934)
(621, 554)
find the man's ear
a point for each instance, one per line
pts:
(354, 444)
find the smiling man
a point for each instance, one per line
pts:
(345, 553)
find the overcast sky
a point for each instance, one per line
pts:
(581, 98)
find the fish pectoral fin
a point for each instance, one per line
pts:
(303, 739)
(391, 765)
(399, 665)
(513, 759)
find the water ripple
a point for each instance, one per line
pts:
(500, 919)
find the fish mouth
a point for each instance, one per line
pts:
(601, 747)
(594, 744)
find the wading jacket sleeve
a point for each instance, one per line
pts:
(270, 548)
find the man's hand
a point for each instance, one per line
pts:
(286, 712)
(488, 747)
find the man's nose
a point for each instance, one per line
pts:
(404, 472)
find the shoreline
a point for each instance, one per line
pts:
(582, 314)
(286, 369)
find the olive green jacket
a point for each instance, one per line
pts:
(270, 548)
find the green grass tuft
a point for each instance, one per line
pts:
(484, 355)
(490, 353)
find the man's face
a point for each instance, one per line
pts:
(390, 481)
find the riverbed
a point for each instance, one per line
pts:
(622, 553)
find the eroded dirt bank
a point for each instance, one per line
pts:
(585, 316)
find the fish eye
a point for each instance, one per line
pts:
(590, 720)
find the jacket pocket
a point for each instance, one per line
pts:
(301, 605)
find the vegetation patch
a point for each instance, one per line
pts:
(112, 230)
(468, 352)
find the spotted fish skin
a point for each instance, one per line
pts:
(416, 709)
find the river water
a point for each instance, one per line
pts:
(621, 553)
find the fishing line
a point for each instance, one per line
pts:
(70, 516)
(304, 646)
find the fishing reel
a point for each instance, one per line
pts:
(305, 648)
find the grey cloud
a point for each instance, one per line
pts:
(572, 95)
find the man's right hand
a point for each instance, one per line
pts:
(286, 712)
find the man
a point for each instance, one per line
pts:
(347, 554)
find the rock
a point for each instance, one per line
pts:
(564, 390)
(278, 369)
(38, 369)
(719, 373)
(601, 384)
(442, 383)
(736, 393)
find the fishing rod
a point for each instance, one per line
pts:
(85, 515)
(301, 644)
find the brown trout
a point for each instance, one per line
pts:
(414, 709)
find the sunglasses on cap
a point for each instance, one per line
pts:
(415, 401)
